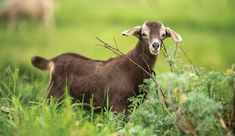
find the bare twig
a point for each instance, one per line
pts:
(118, 52)
(115, 42)
(163, 100)
(149, 69)
(164, 47)
(166, 56)
(184, 124)
(222, 123)
(185, 54)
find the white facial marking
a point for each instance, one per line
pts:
(153, 50)
(145, 30)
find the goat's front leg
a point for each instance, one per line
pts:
(119, 104)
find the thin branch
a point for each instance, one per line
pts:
(222, 123)
(117, 51)
(166, 56)
(184, 124)
(115, 42)
(185, 54)
(114, 52)
(149, 69)
(164, 47)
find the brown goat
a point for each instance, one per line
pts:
(40, 9)
(87, 78)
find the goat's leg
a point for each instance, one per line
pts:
(119, 105)
(56, 87)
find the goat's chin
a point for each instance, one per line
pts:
(154, 52)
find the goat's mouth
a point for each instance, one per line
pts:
(154, 51)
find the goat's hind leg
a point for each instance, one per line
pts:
(56, 87)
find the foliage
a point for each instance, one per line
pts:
(191, 99)
(25, 111)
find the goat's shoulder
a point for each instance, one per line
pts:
(116, 67)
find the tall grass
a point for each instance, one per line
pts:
(207, 28)
(32, 114)
(26, 111)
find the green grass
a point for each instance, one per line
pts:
(24, 109)
(207, 28)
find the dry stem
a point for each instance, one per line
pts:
(185, 54)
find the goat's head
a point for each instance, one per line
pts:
(152, 34)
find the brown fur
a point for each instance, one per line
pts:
(92, 77)
(87, 78)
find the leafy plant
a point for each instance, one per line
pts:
(195, 105)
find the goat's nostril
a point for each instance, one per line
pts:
(156, 45)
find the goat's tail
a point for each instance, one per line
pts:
(41, 63)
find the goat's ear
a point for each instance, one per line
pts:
(175, 36)
(132, 31)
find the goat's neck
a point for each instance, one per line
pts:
(142, 57)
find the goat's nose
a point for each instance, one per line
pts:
(156, 45)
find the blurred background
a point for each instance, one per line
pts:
(207, 28)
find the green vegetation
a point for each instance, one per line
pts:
(192, 101)
(207, 27)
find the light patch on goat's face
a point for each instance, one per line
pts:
(155, 46)
(145, 32)
(154, 51)
(155, 39)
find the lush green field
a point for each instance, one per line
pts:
(207, 28)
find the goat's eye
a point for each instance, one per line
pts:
(144, 35)
(164, 35)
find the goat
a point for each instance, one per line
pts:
(87, 78)
(40, 9)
